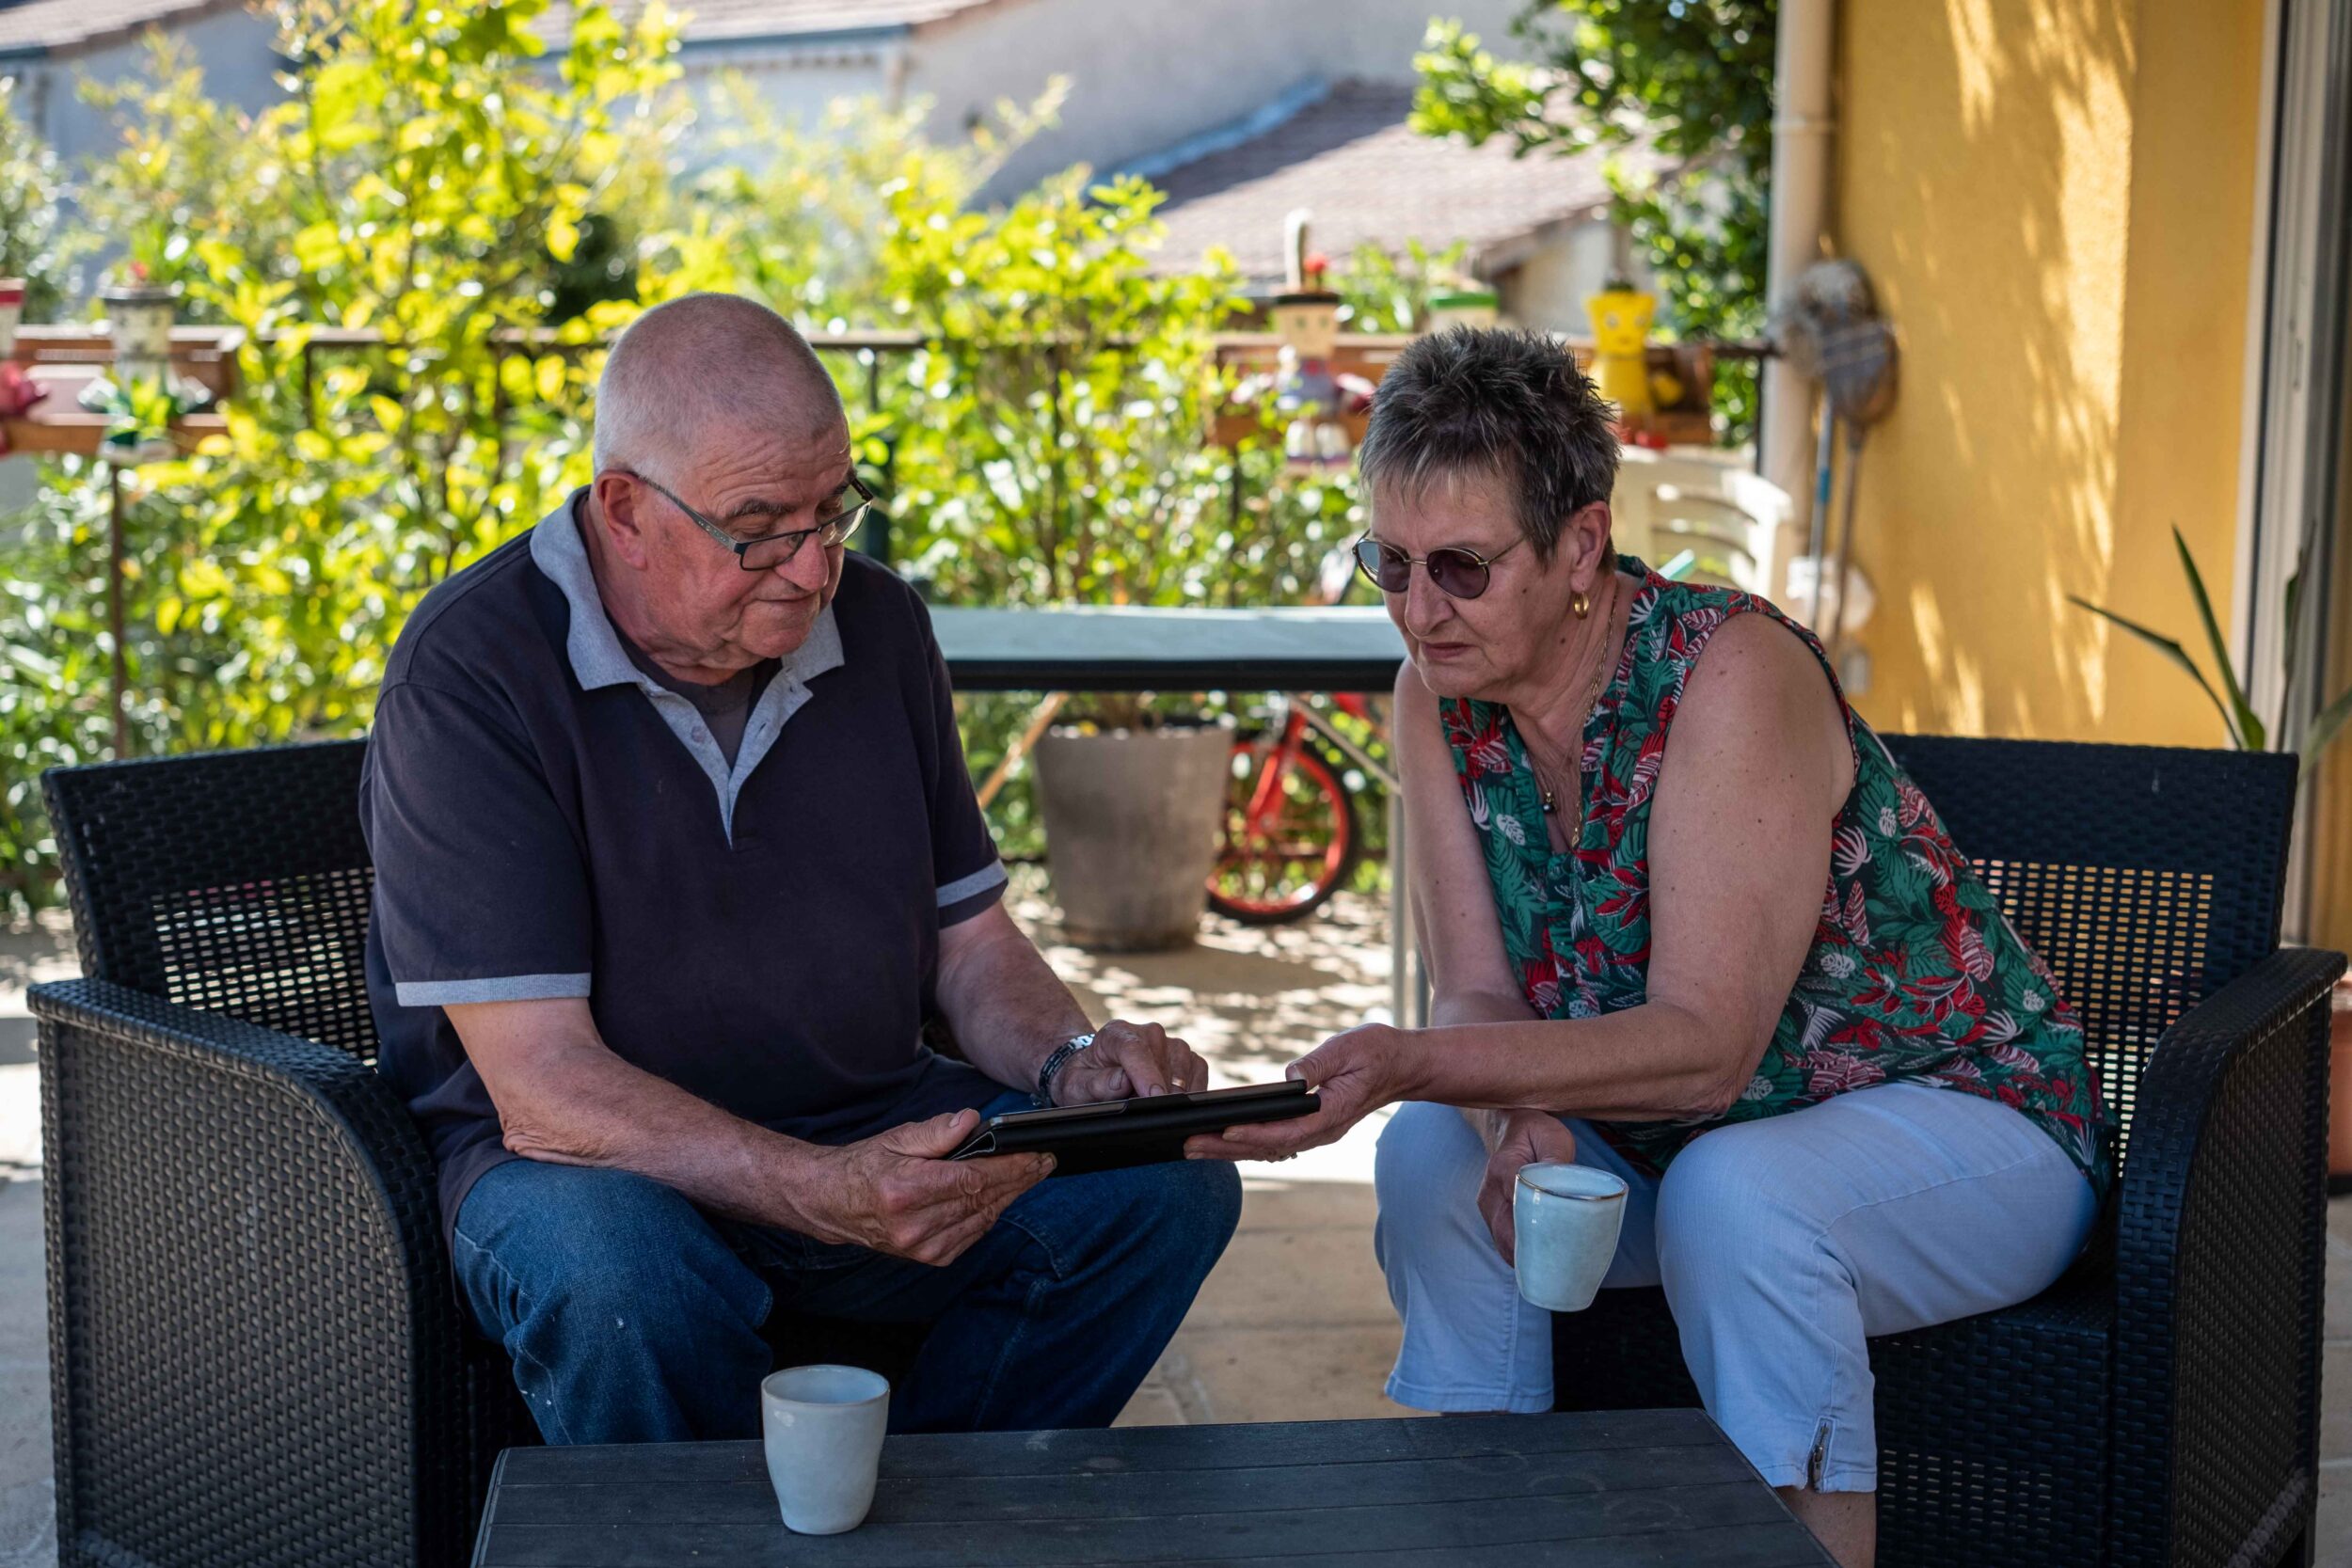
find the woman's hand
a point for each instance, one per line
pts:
(1354, 1072)
(1520, 1138)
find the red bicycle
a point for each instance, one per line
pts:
(1292, 833)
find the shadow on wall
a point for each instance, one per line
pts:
(2031, 229)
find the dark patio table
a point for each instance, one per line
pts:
(1133, 648)
(1598, 1490)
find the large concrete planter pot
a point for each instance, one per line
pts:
(1131, 829)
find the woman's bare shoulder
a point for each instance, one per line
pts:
(1756, 674)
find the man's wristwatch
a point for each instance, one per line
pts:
(1063, 1052)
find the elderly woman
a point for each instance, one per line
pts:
(1686, 920)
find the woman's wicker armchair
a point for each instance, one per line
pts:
(2160, 1403)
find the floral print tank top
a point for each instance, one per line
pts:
(1915, 975)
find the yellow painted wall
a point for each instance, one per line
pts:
(2056, 200)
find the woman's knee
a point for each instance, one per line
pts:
(1426, 1170)
(1426, 1174)
(1734, 1206)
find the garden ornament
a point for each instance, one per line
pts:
(1306, 386)
(1621, 316)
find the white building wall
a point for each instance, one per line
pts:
(236, 48)
(795, 81)
(1145, 74)
(1549, 288)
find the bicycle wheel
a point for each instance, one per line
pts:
(1290, 841)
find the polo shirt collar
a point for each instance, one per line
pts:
(598, 660)
(597, 655)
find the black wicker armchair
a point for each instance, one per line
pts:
(258, 1356)
(2160, 1403)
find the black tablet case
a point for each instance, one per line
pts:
(1121, 1133)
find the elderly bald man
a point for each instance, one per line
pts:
(675, 852)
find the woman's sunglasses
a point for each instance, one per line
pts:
(1459, 574)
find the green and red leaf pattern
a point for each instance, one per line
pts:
(1915, 975)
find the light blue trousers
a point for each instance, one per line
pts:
(1781, 1245)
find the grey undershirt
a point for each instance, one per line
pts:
(726, 708)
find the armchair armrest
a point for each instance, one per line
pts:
(254, 1344)
(2220, 1247)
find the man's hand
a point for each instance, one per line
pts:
(897, 1192)
(1519, 1139)
(1355, 1074)
(1129, 1061)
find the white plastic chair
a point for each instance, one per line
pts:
(1730, 521)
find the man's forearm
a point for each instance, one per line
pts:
(614, 1115)
(1006, 1005)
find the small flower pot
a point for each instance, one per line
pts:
(11, 312)
(1452, 307)
(139, 318)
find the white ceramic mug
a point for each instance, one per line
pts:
(824, 1435)
(1565, 1220)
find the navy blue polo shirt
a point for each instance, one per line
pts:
(547, 820)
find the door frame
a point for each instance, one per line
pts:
(2296, 404)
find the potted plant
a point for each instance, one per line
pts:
(139, 314)
(143, 396)
(2305, 726)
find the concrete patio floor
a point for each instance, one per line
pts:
(1293, 1323)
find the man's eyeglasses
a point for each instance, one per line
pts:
(1459, 574)
(771, 550)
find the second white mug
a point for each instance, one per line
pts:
(1565, 1220)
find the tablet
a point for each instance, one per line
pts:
(1114, 1133)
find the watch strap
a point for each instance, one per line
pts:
(1054, 1063)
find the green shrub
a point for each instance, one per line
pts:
(428, 178)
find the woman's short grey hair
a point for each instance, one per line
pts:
(1497, 401)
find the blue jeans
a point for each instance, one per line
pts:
(633, 1317)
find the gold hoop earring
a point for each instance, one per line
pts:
(1582, 604)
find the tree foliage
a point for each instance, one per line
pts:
(35, 243)
(1383, 292)
(420, 178)
(430, 179)
(1678, 93)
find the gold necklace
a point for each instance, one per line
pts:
(1592, 696)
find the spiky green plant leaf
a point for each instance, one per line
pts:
(2252, 736)
(2175, 651)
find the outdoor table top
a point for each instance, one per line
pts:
(1136, 648)
(1594, 1489)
